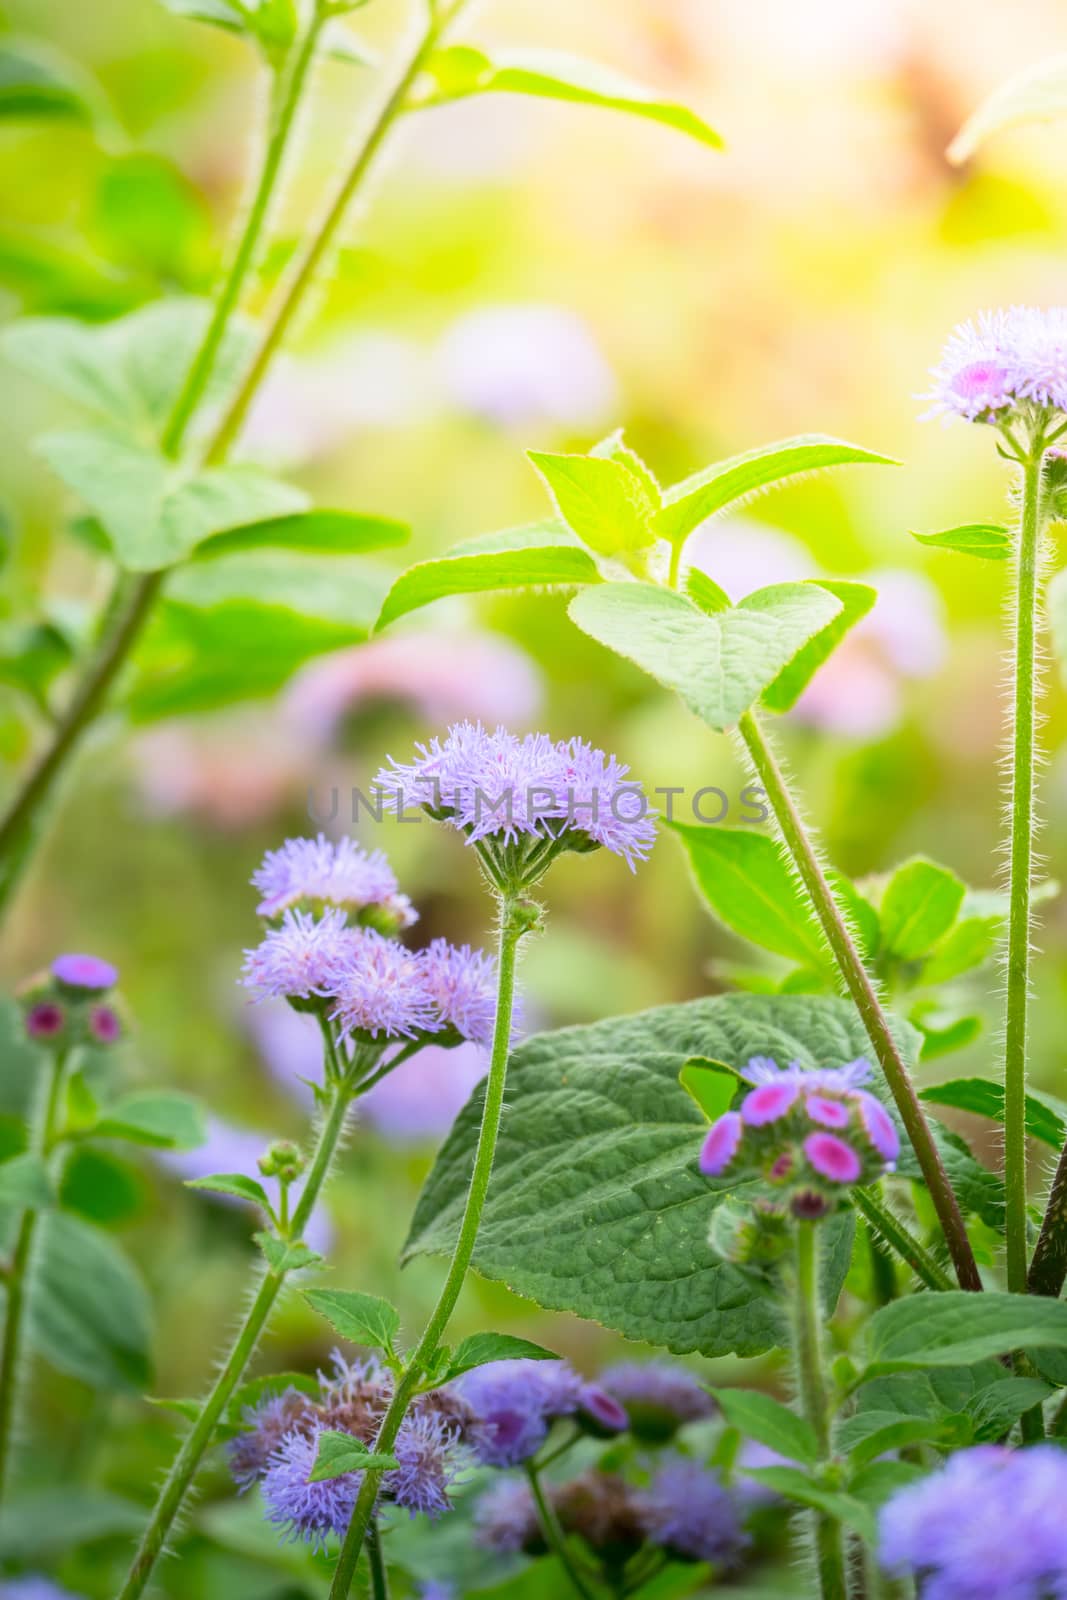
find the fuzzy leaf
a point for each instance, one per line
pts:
(749, 887)
(793, 1484)
(725, 483)
(233, 1183)
(285, 1255)
(919, 906)
(1046, 1117)
(481, 1348)
(360, 1318)
(720, 665)
(596, 1203)
(601, 499)
(968, 944)
(953, 1329)
(770, 1423)
(856, 600)
(519, 558)
(340, 1453)
(458, 71)
(1037, 94)
(991, 541)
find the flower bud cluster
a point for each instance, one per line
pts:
(71, 1004)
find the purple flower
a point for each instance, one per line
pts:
(380, 989)
(506, 1519)
(988, 1525)
(832, 1158)
(524, 365)
(306, 1510)
(721, 1144)
(769, 1103)
(437, 1591)
(431, 1457)
(104, 1025)
(317, 871)
(515, 1403)
(690, 1514)
(498, 786)
(462, 983)
(659, 1397)
(86, 973)
(299, 959)
(600, 1413)
(266, 1425)
(45, 1020)
(33, 1587)
(1000, 360)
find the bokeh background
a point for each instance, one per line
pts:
(525, 275)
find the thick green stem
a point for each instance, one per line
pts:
(829, 1541)
(186, 1463)
(18, 1275)
(889, 1227)
(554, 1536)
(512, 927)
(861, 989)
(379, 1576)
(1017, 993)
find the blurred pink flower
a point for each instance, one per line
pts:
(521, 365)
(444, 677)
(231, 769)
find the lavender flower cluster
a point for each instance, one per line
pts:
(808, 1134)
(71, 1004)
(1001, 362)
(324, 955)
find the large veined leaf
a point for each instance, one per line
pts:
(155, 511)
(89, 1313)
(541, 553)
(720, 664)
(596, 1203)
(1037, 94)
(129, 370)
(726, 483)
(856, 600)
(458, 71)
(954, 1329)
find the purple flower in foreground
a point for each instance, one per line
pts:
(988, 1525)
(659, 1397)
(380, 989)
(690, 1514)
(500, 787)
(306, 1510)
(1000, 360)
(515, 1403)
(299, 959)
(431, 1457)
(462, 983)
(88, 974)
(318, 872)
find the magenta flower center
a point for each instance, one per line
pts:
(827, 1113)
(768, 1103)
(45, 1020)
(832, 1158)
(720, 1145)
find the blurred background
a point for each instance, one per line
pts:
(526, 275)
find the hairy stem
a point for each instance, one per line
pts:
(1022, 822)
(186, 1463)
(17, 1278)
(554, 1536)
(512, 928)
(829, 1542)
(858, 982)
(889, 1227)
(379, 1576)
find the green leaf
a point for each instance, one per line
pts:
(705, 593)
(270, 23)
(147, 216)
(1037, 94)
(39, 1523)
(954, 1329)
(793, 1484)
(518, 558)
(969, 944)
(601, 499)
(481, 1348)
(749, 887)
(130, 370)
(919, 906)
(157, 511)
(171, 1121)
(989, 540)
(284, 1255)
(345, 591)
(596, 1203)
(1046, 1117)
(340, 1453)
(462, 70)
(726, 483)
(710, 1084)
(770, 1423)
(33, 657)
(89, 1314)
(870, 1434)
(35, 83)
(720, 665)
(360, 1318)
(318, 532)
(236, 1184)
(24, 1182)
(856, 600)
(942, 1041)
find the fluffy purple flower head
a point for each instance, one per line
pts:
(298, 960)
(431, 1457)
(317, 872)
(496, 786)
(380, 989)
(302, 1509)
(689, 1513)
(515, 1403)
(659, 1397)
(248, 1454)
(1003, 359)
(462, 984)
(89, 974)
(988, 1525)
(506, 1519)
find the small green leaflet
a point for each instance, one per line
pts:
(601, 499)
(458, 71)
(340, 1453)
(989, 540)
(316, 532)
(285, 1255)
(518, 558)
(721, 664)
(361, 1318)
(481, 1348)
(235, 1184)
(919, 906)
(794, 1484)
(1037, 94)
(770, 1423)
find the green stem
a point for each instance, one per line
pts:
(829, 1543)
(890, 1228)
(17, 1278)
(1020, 873)
(512, 928)
(379, 1577)
(187, 1461)
(861, 989)
(322, 237)
(553, 1533)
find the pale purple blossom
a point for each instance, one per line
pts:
(463, 985)
(32, 1586)
(516, 1403)
(523, 365)
(1000, 360)
(659, 1397)
(299, 959)
(300, 1508)
(430, 1457)
(987, 1525)
(380, 989)
(506, 1518)
(691, 1515)
(88, 973)
(600, 1413)
(832, 1158)
(721, 1144)
(338, 874)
